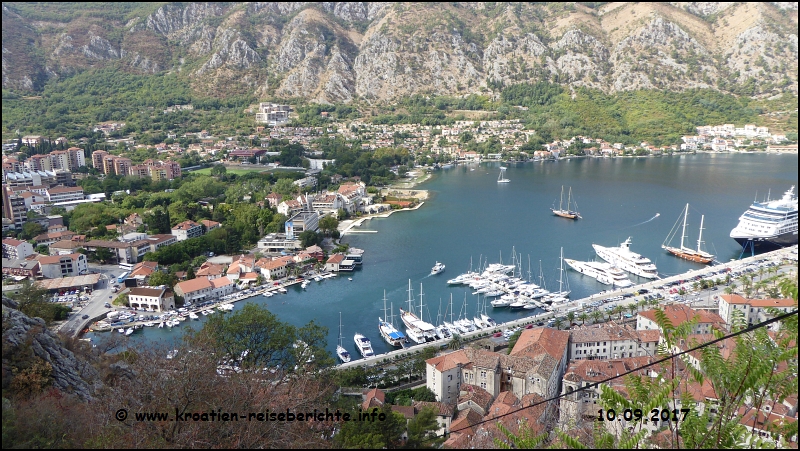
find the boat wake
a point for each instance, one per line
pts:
(636, 225)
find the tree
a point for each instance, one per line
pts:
(328, 224)
(583, 317)
(373, 434)
(512, 340)
(571, 318)
(160, 278)
(31, 229)
(42, 249)
(34, 301)
(559, 322)
(190, 273)
(422, 430)
(309, 238)
(596, 316)
(285, 186)
(257, 339)
(103, 254)
(219, 170)
(455, 342)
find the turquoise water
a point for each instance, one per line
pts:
(468, 214)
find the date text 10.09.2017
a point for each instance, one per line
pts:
(655, 415)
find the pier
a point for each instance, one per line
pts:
(561, 309)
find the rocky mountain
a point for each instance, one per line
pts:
(340, 52)
(35, 356)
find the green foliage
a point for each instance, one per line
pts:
(422, 430)
(373, 434)
(512, 340)
(257, 339)
(34, 301)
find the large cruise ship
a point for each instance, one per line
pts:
(623, 258)
(604, 272)
(769, 224)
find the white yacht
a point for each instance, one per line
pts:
(769, 224)
(415, 335)
(623, 258)
(363, 345)
(437, 268)
(604, 272)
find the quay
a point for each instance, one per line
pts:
(562, 308)
(266, 290)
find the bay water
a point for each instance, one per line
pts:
(470, 217)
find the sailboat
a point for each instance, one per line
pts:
(684, 252)
(562, 292)
(502, 178)
(392, 336)
(344, 356)
(568, 213)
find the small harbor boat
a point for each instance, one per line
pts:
(438, 268)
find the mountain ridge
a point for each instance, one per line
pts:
(342, 52)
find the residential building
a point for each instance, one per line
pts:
(754, 310)
(333, 262)
(611, 341)
(152, 299)
(186, 230)
(273, 114)
(278, 242)
(679, 314)
(57, 266)
(13, 248)
(221, 286)
(20, 268)
(64, 194)
(195, 290)
(272, 269)
(210, 271)
(210, 225)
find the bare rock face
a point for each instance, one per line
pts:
(28, 337)
(340, 51)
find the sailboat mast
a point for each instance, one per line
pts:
(451, 308)
(685, 214)
(410, 298)
(569, 197)
(561, 272)
(700, 238)
(340, 328)
(420, 301)
(561, 201)
(384, 306)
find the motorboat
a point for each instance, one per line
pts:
(363, 345)
(437, 268)
(415, 335)
(627, 260)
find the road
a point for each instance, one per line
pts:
(94, 307)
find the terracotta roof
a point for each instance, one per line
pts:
(210, 270)
(464, 421)
(193, 285)
(65, 189)
(373, 398)
(474, 394)
(736, 299)
(66, 244)
(55, 259)
(209, 223)
(448, 361)
(248, 276)
(408, 411)
(441, 409)
(542, 339)
(12, 242)
(336, 258)
(220, 282)
(185, 225)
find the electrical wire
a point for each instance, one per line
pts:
(597, 384)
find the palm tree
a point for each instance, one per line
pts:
(728, 290)
(632, 308)
(571, 318)
(583, 317)
(596, 315)
(455, 342)
(559, 322)
(617, 310)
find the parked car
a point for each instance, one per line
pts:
(85, 316)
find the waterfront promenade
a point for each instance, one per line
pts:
(561, 309)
